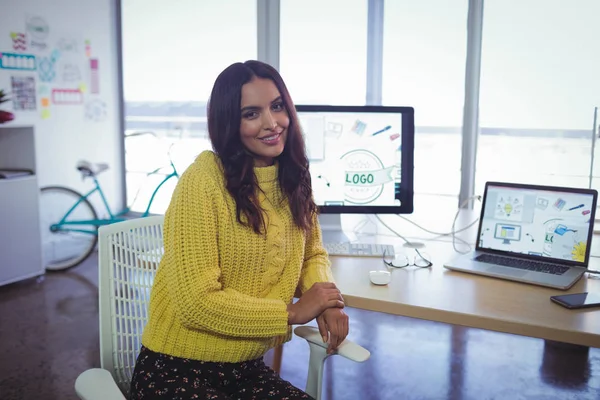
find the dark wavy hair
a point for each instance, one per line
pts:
(224, 119)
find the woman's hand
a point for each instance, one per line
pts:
(333, 324)
(320, 297)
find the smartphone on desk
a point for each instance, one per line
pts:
(577, 300)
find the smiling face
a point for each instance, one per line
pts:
(264, 123)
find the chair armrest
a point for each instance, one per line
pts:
(97, 384)
(298, 292)
(347, 349)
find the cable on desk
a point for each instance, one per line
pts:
(465, 201)
(454, 238)
(391, 230)
(592, 271)
(452, 233)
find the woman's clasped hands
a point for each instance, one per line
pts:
(324, 302)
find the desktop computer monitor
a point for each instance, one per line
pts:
(361, 161)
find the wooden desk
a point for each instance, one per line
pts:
(442, 295)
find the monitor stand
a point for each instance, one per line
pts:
(331, 228)
(332, 231)
(414, 245)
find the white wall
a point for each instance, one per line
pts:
(66, 133)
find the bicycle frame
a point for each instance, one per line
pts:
(171, 175)
(112, 218)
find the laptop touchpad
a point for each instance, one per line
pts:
(507, 271)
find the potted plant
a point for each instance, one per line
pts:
(5, 116)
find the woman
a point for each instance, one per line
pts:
(241, 235)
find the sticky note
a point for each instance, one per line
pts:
(83, 88)
(45, 113)
(45, 102)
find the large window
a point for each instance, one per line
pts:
(539, 81)
(424, 51)
(539, 86)
(172, 54)
(323, 51)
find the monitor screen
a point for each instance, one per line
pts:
(361, 157)
(554, 223)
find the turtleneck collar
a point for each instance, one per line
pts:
(266, 174)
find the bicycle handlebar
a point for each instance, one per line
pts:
(141, 133)
(169, 152)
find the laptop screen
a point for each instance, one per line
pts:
(537, 222)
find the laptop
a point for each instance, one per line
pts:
(534, 234)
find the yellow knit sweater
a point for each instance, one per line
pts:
(221, 291)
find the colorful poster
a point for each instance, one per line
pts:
(23, 93)
(67, 44)
(94, 78)
(70, 72)
(88, 48)
(19, 41)
(67, 96)
(95, 110)
(46, 68)
(38, 30)
(43, 90)
(22, 62)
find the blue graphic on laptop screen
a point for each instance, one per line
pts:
(354, 157)
(537, 222)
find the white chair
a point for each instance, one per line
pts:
(129, 253)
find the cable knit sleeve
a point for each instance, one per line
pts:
(316, 266)
(193, 271)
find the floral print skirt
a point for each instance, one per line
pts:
(160, 376)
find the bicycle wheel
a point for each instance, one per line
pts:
(62, 247)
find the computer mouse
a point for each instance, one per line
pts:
(380, 277)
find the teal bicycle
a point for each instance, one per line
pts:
(70, 221)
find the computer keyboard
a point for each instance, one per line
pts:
(358, 249)
(537, 266)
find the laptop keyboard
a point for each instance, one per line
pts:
(522, 264)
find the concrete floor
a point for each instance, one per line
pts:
(49, 334)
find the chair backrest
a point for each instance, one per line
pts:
(129, 254)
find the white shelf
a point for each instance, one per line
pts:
(20, 178)
(20, 236)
